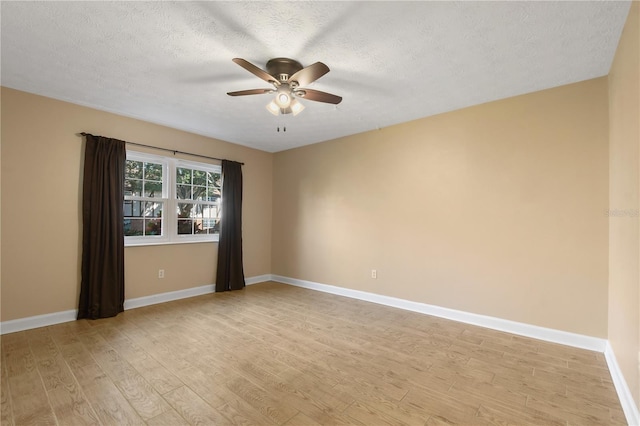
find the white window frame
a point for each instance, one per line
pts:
(170, 202)
(190, 238)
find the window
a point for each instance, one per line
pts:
(170, 201)
(198, 194)
(144, 197)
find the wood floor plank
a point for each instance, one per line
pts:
(330, 349)
(466, 388)
(566, 352)
(161, 352)
(319, 389)
(6, 411)
(367, 415)
(75, 354)
(600, 395)
(19, 361)
(30, 402)
(142, 397)
(13, 342)
(441, 405)
(207, 384)
(109, 404)
(301, 420)
(388, 408)
(159, 377)
(274, 354)
(276, 410)
(65, 394)
(617, 417)
(575, 413)
(71, 407)
(307, 403)
(168, 418)
(241, 415)
(491, 413)
(397, 363)
(193, 408)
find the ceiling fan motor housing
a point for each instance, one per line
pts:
(283, 68)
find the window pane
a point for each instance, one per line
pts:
(208, 211)
(199, 177)
(183, 175)
(133, 169)
(127, 208)
(183, 192)
(153, 209)
(197, 227)
(133, 187)
(185, 210)
(214, 179)
(197, 211)
(153, 189)
(215, 229)
(136, 209)
(153, 226)
(153, 171)
(213, 194)
(210, 226)
(185, 226)
(199, 192)
(133, 227)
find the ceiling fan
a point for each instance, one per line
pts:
(288, 78)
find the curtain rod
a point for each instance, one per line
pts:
(165, 149)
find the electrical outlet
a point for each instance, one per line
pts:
(160, 273)
(374, 273)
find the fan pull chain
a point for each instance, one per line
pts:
(284, 128)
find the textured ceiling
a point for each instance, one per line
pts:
(170, 62)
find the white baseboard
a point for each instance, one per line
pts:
(28, 323)
(522, 329)
(624, 393)
(154, 299)
(37, 321)
(258, 279)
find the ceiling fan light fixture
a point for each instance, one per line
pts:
(283, 99)
(296, 107)
(273, 108)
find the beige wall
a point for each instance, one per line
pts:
(497, 209)
(624, 190)
(41, 218)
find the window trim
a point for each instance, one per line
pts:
(170, 202)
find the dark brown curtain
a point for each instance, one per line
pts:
(230, 273)
(102, 286)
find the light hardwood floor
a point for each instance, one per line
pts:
(277, 354)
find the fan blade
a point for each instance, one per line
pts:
(316, 95)
(250, 92)
(309, 74)
(256, 71)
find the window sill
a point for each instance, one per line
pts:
(166, 243)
